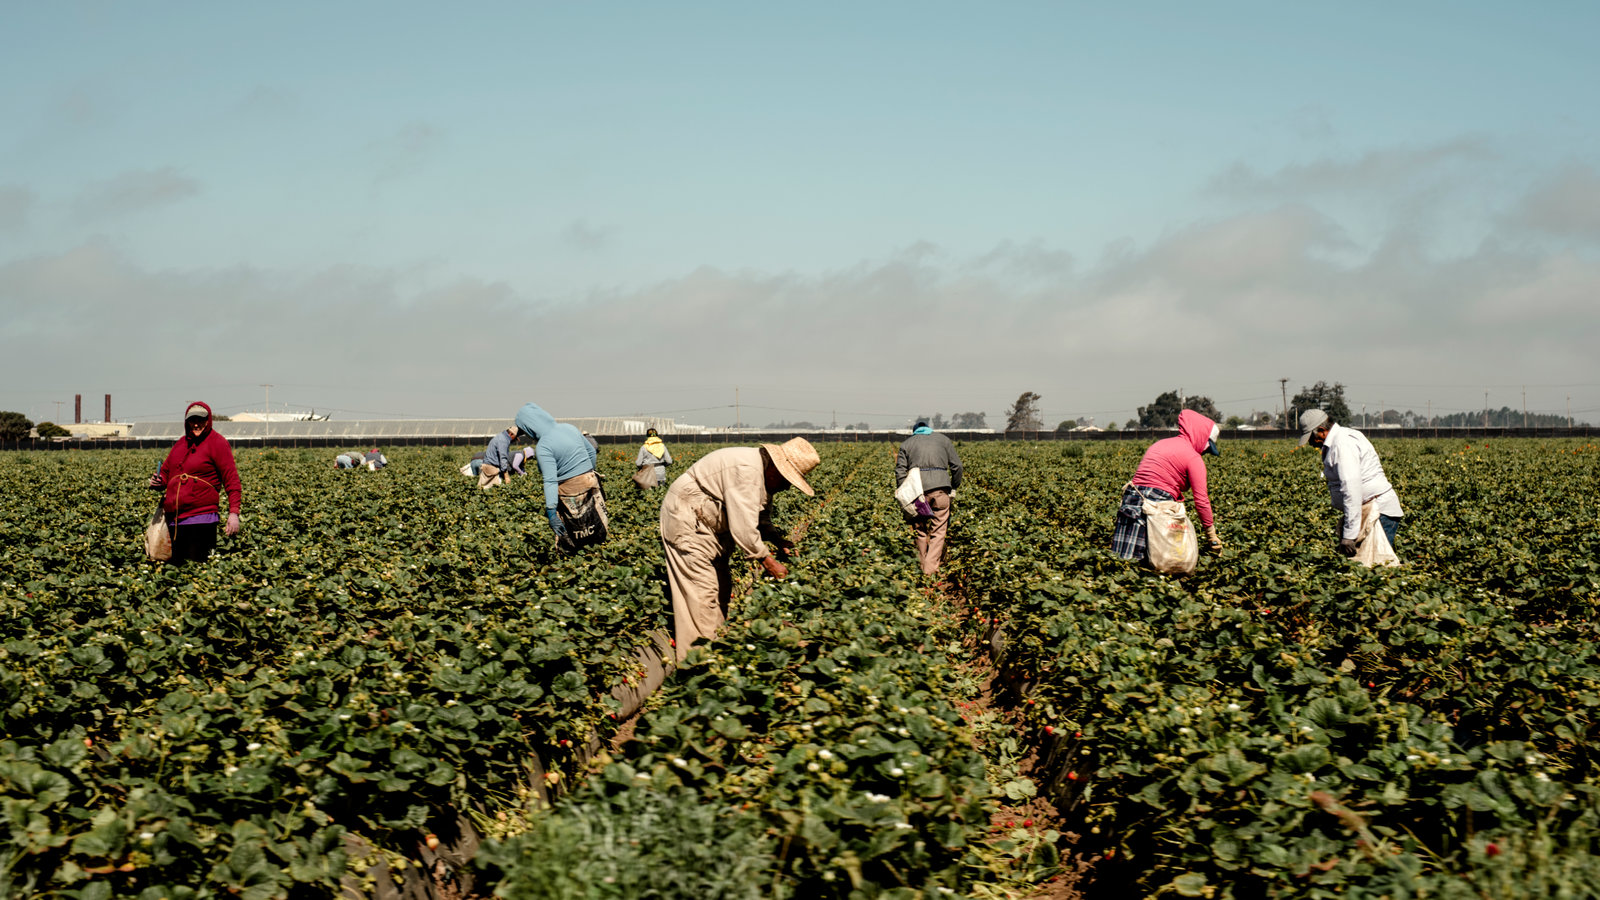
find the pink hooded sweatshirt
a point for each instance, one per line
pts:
(1174, 465)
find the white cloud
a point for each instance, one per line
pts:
(406, 151)
(1566, 205)
(1221, 308)
(134, 191)
(580, 235)
(1378, 171)
(15, 205)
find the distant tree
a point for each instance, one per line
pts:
(1504, 417)
(1111, 426)
(219, 418)
(1024, 414)
(860, 426)
(1066, 425)
(1204, 407)
(939, 422)
(14, 426)
(50, 430)
(1232, 423)
(1328, 398)
(1162, 412)
(803, 426)
(1132, 425)
(970, 421)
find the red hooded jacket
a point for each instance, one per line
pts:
(1174, 465)
(196, 471)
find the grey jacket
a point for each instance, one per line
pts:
(935, 456)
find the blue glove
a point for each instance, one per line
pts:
(555, 523)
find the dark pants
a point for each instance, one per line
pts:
(193, 543)
(1390, 525)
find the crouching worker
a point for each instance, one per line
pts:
(723, 502)
(496, 466)
(1355, 478)
(1169, 467)
(574, 502)
(654, 457)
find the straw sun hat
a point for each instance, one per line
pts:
(793, 459)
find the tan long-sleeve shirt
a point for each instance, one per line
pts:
(724, 492)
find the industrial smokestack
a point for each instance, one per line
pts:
(77, 409)
(108, 409)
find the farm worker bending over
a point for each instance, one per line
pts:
(567, 461)
(721, 502)
(496, 467)
(196, 471)
(938, 464)
(520, 459)
(653, 454)
(347, 460)
(1354, 475)
(1170, 467)
(375, 460)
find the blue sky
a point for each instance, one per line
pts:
(875, 209)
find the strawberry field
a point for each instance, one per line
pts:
(383, 662)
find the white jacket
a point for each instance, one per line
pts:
(1355, 476)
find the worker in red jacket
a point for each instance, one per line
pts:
(197, 470)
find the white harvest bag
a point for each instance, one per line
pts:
(1170, 537)
(909, 491)
(1372, 545)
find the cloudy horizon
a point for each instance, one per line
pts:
(832, 214)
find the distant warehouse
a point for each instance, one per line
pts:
(395, 430)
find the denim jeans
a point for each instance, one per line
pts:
(1390, 525)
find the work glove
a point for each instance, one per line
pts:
(555, 523)
(1216, 542)
(1347, 547)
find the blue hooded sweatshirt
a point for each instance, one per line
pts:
(562, 452)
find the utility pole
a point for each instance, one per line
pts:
(1569, 410)
(1430, 413)
(1283, 388)
(1524, 406)
(1486, 409)
(59, 402)
(738, 423)
(266, 414)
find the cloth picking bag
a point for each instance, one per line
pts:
(157, 540)
(1372, 545)
(1170, 537)
(909, 492)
